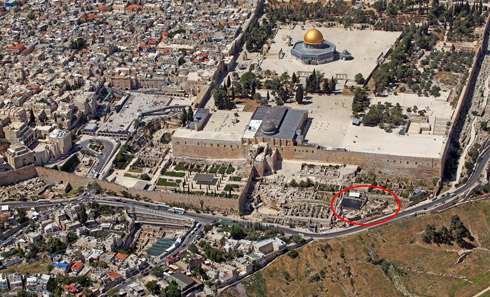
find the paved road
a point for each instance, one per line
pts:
(102, 158)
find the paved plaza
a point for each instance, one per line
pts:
(364, 45)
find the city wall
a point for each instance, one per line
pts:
(417, 168)
(214, 203)
(207, 148)
(465, 93)
(15, 176)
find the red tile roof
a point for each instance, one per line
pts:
(131, 7)
(77, 266)
(114, 274)
(16, 47)
(121, 256)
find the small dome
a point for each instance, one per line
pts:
(313, 37)
(268, 127)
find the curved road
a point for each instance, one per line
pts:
(102, 158)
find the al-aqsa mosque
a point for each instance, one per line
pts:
(314, 49)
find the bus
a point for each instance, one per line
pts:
(43, 201)
(178, 210)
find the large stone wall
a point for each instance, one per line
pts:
(18, 175)
(459, 115)
(400, 166)
(416, 168)
(207, 148)
(214, 203)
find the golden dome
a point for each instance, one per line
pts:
(313, 37)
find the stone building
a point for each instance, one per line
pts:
(20, 156)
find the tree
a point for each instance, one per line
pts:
(283, 94)
(299, 95)
(294, 78)
(157, 271)
(21, 215)
(72, 237)
(183, 117)
(268, 96)
(359, 79)
(293, 254)
(181, 61)
(220, 99)
(24, 293)
(284, 76)
(153, 287)
(237, 232)
(190, 115)
(360, 101)
(248, 80)
(430, 231)
(228, 82)
(193, 248)
(326, 86)
(173, 290)
(333, 84)
(78, 44)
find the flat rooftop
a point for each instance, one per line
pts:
(225, 121)
(332, 127)
(364, 45)
(184, 133)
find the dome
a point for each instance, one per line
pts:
(313, 37)
(268, 127)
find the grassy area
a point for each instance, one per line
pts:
(167, 183)
(236, 178)
(231, 187)
(73, 192)
(214, 169)
(180, 166)
(463, 285)
(40, 266)
(222, 169)
(174, 174)
(390, 261)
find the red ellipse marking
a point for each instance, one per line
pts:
(366, 186)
